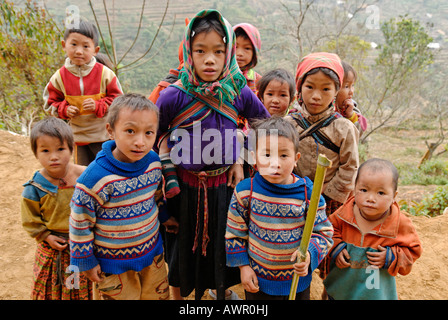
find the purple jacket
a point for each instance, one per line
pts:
(209, 143)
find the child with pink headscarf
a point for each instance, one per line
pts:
(319, 78)
(248, 45)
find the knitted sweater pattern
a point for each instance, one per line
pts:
(266, 237)
(115, 216)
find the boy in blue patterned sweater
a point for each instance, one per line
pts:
(117, 208)
(267, 215)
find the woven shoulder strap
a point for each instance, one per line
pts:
(314, 129)
(224, 108)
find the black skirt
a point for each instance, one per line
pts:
(190, 269)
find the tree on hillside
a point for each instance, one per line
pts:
(27, 60)
(119, 63)
(396, 74)
(312, 23)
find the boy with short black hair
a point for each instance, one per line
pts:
(267, 216)
(118, 206)
(82, 91)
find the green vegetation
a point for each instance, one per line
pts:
(434, 171)
(28, 58)
(430, 206)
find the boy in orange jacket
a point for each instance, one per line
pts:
(373, 240)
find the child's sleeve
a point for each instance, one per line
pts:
(82, 221)
(161, 203)
(253, 107)
(31, 218)
(407, 250)
(342, 183)
(113, 90)
(237, 232)
(54, 98)
(321, 237)
(358, 119)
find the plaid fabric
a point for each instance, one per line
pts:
(332, 205)
(50, 278)
(319, 60)
(229, 86)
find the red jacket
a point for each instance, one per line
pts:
(73, 84)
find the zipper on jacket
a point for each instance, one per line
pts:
(81, 82)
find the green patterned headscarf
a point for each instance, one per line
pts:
(229, 84)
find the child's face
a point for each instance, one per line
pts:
(276, 159)
(318, 91)
(53, 155)
(134, 133)
(244, 51)
(347, 90)
(374, 192)
(209, 55)
(79, 48)
(276, 97)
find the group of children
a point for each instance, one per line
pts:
(175, 160)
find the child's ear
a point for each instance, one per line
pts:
(97, 49)
(297, 158)
(110, 131)
(63, 44)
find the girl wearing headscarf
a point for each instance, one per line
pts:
(323, 131)
(248, 46)
(198, 116)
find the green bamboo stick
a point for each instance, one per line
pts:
(322, 164)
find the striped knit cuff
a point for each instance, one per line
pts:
(335, 252)
(390, 257)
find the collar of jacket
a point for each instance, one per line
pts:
(80, 71)
(313, 118)
(388, 228)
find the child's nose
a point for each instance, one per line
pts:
(54, 156)
(209, 59)
(274, 163)
(139, 140)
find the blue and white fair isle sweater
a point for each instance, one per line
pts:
(266, 237)
(114, 219)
